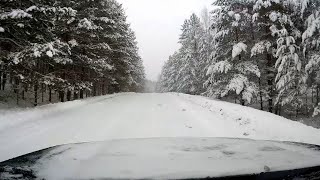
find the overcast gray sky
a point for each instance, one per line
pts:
(157, 24)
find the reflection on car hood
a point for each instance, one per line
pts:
(162, 158)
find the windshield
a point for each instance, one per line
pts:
(110, 70)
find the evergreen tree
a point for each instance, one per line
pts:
(233, 71)
(68, 47)
(252, 48)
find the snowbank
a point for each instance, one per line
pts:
(258, 124)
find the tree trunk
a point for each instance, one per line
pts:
(270, 84)
(18, 97)
(75, 95)
(4, 80)
(104, 88)
(68, 95)
(61, 96)
(81, 93)
(279, 112)
(17, 89)
(260, 94)
(36, 94)
(25, 89)
(242, 102)
(312, 95)
(317, 98)
(94, 90)
(42, 93)
(82, 78)
(22, 94)
(276, 109)
(317, 102)
(269, 66)
(50, 94)
(11, 77)
(307, 113)
(270, 104)
(1, 77)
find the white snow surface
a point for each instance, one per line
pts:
(172, 158)
(238, 49)
(131, 115)
(49, 53)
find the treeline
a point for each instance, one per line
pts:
(71, 48)
(263, 52)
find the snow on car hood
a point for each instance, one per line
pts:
(166, 158)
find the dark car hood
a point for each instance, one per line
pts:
(162, 158)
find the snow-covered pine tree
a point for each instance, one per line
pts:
(164, 82)
(125, 58)
(264, 17)
(91, 36)
(311, 47)
(268, 42)
(206, 46)
(290, 78)
(68, 46)
(169, 79)
(104, 48)
(233, 70)
(136, 78)
(192, 32)
(33, 46)
(184, 71)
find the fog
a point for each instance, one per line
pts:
(157, 24)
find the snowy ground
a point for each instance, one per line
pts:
(131, 115)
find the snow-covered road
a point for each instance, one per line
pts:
(131, 115)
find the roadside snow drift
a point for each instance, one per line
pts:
(131, 115)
